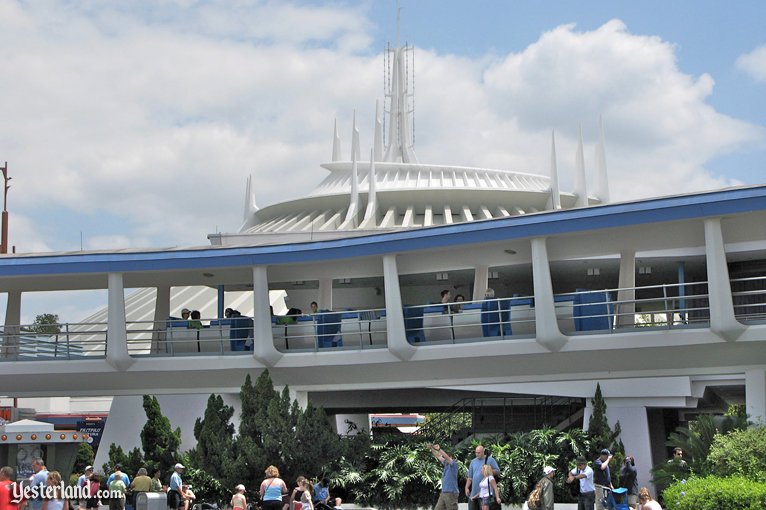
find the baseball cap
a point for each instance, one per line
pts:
(548, 470)
(185, 310)
(88, 468)
(179, 466)
(605, 452)
(581, 460)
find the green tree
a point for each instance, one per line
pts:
(215, 439)
(158, 439)
(85, 457)
(600, 433)
(740, 453)
(318, 447)
(45, 324)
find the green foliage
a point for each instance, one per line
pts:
(695, 440)
(741, 453)
(215, 439)
(85, 457)
(45, 324)
(207, 488)
(600, 433)
(714, 493)
(158, 439)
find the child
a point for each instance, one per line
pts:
(306, 503)
(238, 500)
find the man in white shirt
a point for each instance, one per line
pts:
(587, 498)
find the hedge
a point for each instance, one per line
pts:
(714, 493)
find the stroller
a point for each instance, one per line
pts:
(621, 498)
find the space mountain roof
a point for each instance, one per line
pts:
(392, 190)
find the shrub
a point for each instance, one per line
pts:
(740, 453)
(714, 493)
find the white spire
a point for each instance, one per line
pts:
(371, 213)
(399, 137)
(378, 142)
(250, 206)
(555, 192)
(602, 181)
(353, 206)
(580, 188)
(336, 143)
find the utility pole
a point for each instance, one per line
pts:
(6, 187)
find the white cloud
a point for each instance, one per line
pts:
(754, 63)
(151, 115)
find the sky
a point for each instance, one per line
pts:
(136, 124)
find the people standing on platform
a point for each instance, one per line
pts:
(314, 307)
(272, 489)
(474, 477)
(602, 479)
(450, 491)
(39, 479)
(583, 472)
(195, 322)
(446, 297)
(55, 496)
(629, 480)
(175, 488)
(238, 500)
(240, 330)
(645, 501)
(185, 314)
(458, 306)
(7, 501)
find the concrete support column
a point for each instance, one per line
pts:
(116, 329)
(755, 394)
(161, 314)
(626, 311)
(480, 282)
(547, 328)
(12, 323)
(324, 300)
(302, 397)
(395, 332)
(352, 424)
(722, 320)
(263, 339)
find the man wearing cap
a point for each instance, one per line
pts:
(602, 479)
(546, 488)
(584, 474)
(175, 488)
(82, 482)
(449, 494)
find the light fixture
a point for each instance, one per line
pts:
(208, 275)
(298, 282)
(594, 271)
(440, 277)
(344, 281)
(510, 252)
(493, 275)
(644, 269)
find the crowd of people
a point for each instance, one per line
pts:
(596, 491)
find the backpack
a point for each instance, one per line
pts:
(535, 500)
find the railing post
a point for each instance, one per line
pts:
(668, 320)
(546, 326)
(68, 346)
(395, 331)
(117, 334)
(722, 320)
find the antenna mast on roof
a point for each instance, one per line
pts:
(6, 187)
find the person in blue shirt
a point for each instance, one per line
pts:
(449, 493)
(40, 479)
(321, 493)
(176, 495)
(473, 480)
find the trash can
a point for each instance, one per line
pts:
(151, 501)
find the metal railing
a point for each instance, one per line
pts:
(667, 306)
(352, 329)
